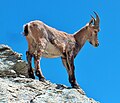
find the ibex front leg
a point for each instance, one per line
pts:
(38, 71)
(29, 60)
(68, 61)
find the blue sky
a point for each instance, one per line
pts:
(97, 69)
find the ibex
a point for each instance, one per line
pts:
(48, 42)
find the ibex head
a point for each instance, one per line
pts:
(93, 29)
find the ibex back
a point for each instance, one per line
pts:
(46, 41)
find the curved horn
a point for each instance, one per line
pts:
(97, 20)
(93, 18)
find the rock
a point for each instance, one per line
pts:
(11, 64)
(16, 88)
(25, 90)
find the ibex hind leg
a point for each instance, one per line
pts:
(29, 60)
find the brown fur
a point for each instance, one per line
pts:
(46, 41)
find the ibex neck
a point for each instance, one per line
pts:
(81, 37)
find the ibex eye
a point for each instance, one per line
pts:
(95, 31)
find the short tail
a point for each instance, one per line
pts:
(26, 30)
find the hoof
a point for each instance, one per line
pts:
(31, 73)
(42, 79)
(31, 76)
(76, 86)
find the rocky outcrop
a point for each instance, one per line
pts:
(16, 88)
(23, 90)
(11, 64)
